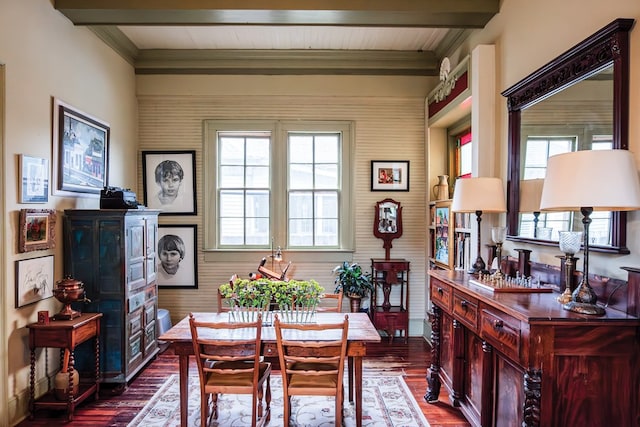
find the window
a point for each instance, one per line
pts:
(277, 181)
(464, 155)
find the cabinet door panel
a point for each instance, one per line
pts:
(446, 349)
(136, 262)
(509, 399)
(110, 253)
(474, 357)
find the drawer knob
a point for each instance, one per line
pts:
(440, 291)
(463, 304)
(498, 324)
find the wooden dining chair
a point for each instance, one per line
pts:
(312, 359)
(229, 362)
(331, 303)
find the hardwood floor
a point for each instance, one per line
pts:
(117, 410)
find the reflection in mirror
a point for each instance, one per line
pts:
(388, 222)
(579, 117)
(579, 101)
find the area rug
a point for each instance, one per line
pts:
(386, 402)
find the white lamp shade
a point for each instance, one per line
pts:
(478, 194)
(530, 195)
(605, 180)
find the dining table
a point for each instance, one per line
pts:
(361, 331)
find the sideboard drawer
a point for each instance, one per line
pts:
(502, 331)
(465, 309)
(441, 294)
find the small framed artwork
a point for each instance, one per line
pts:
(37, 230)
(389, 175)
(177, 256)
(34, 181)
(81, 151)
(169, 181)
(34, 280)
(443, 255)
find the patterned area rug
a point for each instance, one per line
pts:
(387, 402)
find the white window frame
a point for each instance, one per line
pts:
(278, 209)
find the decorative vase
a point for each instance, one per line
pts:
(355, 301)
(441, 189)
(61, 384)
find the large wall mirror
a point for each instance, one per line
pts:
(579, 101)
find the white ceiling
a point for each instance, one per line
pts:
(284, 37)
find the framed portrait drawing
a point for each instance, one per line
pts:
(389, 175)
(177, 256)
(34, 179)
(80, 152)
(169, 181)
(37, 229)
(443, 252)
(34, 280)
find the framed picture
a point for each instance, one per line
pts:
(37, 230)
(169, 181)
(389, 175)
(34, 181)
(81, 151)
(177, 256)
(443, 253)
(34, 280)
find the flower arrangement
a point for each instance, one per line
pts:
(295, 300)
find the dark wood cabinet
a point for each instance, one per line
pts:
(113, 253)
(520, 359)
(390, 313)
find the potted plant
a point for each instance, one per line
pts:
(353, 282)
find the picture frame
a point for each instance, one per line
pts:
(389, 175)
(34, 280)
(169, 181)
(80, 151)
(34, 179)
(37, 229)
(181, 239)
(443, 252)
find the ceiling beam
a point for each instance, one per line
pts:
(290, 61)
(388, 13)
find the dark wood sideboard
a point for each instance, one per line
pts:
(520, 359)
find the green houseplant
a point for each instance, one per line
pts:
(353, 282)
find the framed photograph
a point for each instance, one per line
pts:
(81, 151)
(389, 175)
(34, 280)
(443, 252)
(169, 181)
(34, 181)
(177, 256)
(37, 230)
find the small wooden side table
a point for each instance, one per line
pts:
(386, 274)
(65, 334)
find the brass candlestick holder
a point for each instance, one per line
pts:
(569, 243)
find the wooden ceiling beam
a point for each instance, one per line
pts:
(387, 13)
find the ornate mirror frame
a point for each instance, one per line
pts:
(387, 224)
(608, 46)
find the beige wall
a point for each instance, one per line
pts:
(45, 56)
(388, 113)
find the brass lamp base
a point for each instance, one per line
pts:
(565, 297)
(584, 308)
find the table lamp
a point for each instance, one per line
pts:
(604, 180)
(530, 194)
(480, 194)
